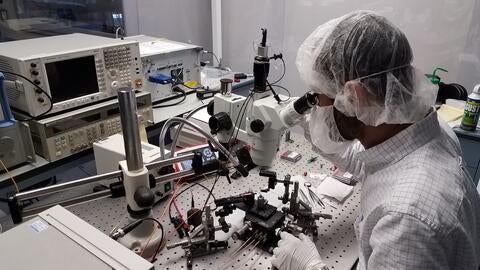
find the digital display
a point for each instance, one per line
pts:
(207, 156)
(72, 78)
(113, 112)
(75, 123)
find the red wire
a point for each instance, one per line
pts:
(174, 201)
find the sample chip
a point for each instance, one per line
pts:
(291, 156)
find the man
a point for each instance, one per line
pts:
(419, 207)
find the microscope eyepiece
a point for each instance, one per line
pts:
(305, 102)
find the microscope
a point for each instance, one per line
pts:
(261, 118)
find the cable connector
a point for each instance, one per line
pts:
(277, 56)
(178, 224)
(275, 95)
(121, 232)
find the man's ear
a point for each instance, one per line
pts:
(324, 100)
(355, 90)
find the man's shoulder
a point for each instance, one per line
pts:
(432, 189)
(440, 201)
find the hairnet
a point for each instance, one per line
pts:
(366, 48)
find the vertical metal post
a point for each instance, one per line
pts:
(131, 135)
(217, 30)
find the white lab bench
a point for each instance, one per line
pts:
(336, 240)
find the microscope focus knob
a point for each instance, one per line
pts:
(211, 107)
(144, 197)
(219, 122)
(257, 125)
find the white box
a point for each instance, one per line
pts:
(110, 151)
(57, 239)
(169, 58)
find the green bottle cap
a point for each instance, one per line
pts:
(434, 78)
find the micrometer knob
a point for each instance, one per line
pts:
(257, 125)
(267, 173)
(271, 182)
(272, 178)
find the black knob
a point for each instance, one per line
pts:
(210, 107)
(243, 155)
(220, 121)
(33, 65)
(166, 170)
(40, 99)
(34, 72)
(194, 217)
(257, 125)
(151, 180)
(266, 173)
(144, 197)
(37, 82)
(197, 163)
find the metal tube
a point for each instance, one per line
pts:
(170, 161)
(190, 241)
(182, 243)
(68, 202)
(131, 135)
(173, 146)
(170, 176)
(226, 86)
(65, 186)
(240, 233)
(207, 135)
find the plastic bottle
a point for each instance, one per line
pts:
(472, 110)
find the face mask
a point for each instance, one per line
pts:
(324, 133)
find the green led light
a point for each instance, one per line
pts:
(167, 187)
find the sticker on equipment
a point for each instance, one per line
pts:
(38, 226)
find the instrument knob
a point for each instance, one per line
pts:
(257, 126)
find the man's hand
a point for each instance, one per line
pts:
(296, 253)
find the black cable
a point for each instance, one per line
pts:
(210, 193)
(154, 220)
(183, 95)
(177, 81)
(181, 192)
(131, 226)
(273, 91)
(193, 88)
(285, 89)
(214, 55)
(161, 239)
(128, 228)
(243, 114)
(283, 74)
(38, 87)
(275, 95)
(244, 108)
